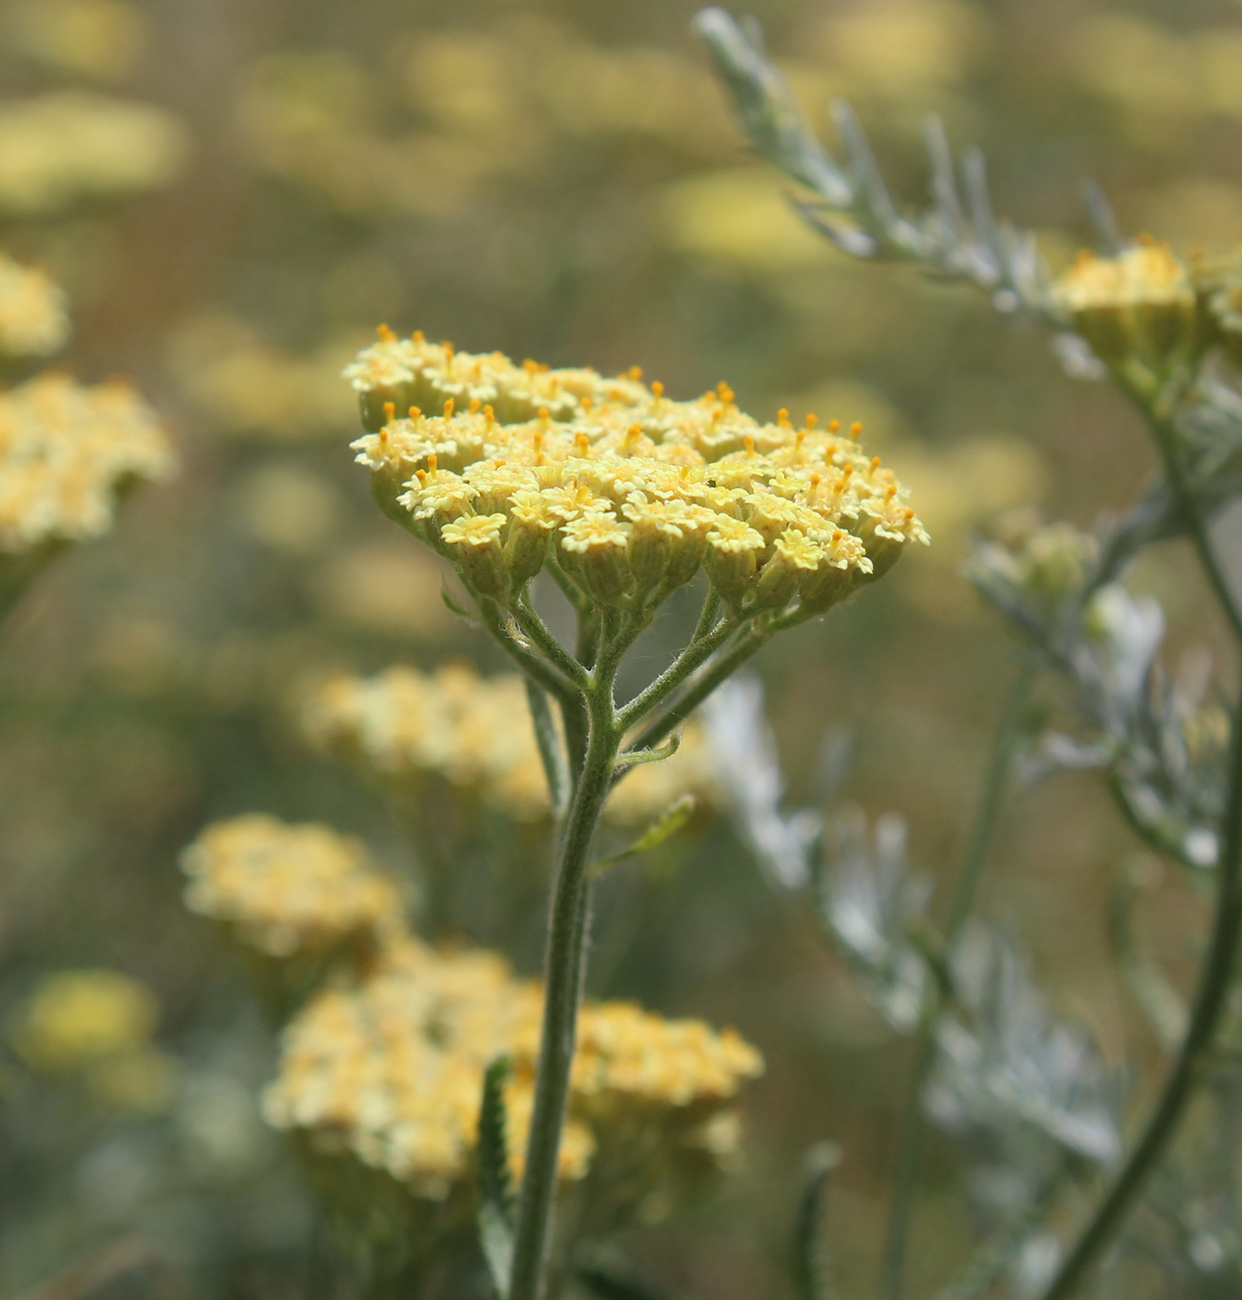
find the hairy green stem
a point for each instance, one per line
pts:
(547, 645)
(567, 927)
(1212, 998)
(966, 891)
(551, 754)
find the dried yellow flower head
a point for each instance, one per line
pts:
(476, 733)
(72, 146)
(34, 318)
(1140, 304)
(629, 492)
(65, 453)
(390, 1069)
(284, 890)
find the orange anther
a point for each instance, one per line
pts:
(448, 409)
(833, 426)
(449, 351)
(417, 337)
(390, 412)
(724, 392)
(815, 481)
(543, 414)
(875, 463)
(385, 334)
(811, 419)
(415, 413)
(890, 492)
(421, 475)
(582, 444)
(489, 414)
(657, 388)
(474, 405)
(432, 463)
(782, 416)
(855, 428)
(749, 443)
(635, 373)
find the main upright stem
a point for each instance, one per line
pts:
(562, 985)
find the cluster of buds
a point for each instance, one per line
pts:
(1146, 305)
(388, 1071)
(476, 733)
(505, 469)
(1141, 304)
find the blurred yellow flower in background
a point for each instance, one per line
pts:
(93, 38)
(34, 312)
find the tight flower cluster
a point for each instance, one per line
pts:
(476, 733)
(34, 319)
(285, 889)
(65, 452)
(505, 468)
(390, 1069)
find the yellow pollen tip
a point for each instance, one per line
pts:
(811, 419)
(415, 412)
(657, 389)
(875, 463)
(587, 403)
(432, 463)
(816, 480)
(782, 417)
(799, 438)
(749, 443)
(385, 334)
(890, 492)
(531, 367)
(635, 373)
(448, 409)
(845, 474)
(421, 475)
(582, 444)
(724, 392)
(834, 426)
(488, 414)
(855, 428)
(418, 337)
(543, 414)
(449, 351)
(390, 412)
(474, 405)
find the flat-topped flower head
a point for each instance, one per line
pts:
(66, 454)
(34, 312)
(627, 491)
(284, 890)
(388, 1071)
(1141, 303)
(475, 732)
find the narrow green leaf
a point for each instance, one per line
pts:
(495, 1188)
(551, 752)
(665, 826)
(812, 1260)
(637, 757)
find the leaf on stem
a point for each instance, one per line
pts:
(813, 1266)
(551, 752)
(495, 1188)
(665, 826)
(637, 757)
(447, 597)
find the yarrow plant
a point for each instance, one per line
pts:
(621, 495)
(1166, 331)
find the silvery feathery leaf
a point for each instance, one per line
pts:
(746, 760)
(870, 903)
(1007, 1068)
(866, 898)
(957, 235)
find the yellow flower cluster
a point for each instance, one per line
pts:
(627, 490)
(65, 452)
(286, 890)
(34, 317)
(1141, 303)
(62, 148)
(476, 733)
(390, 1069)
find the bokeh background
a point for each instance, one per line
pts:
(560, 180)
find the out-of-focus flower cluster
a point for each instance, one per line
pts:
(65, 452)
(34, 313)
(71, 146)
(284, 889)
(628, 491)
(92, 38)
(97, 1026)
(390, 1069)
(476, 733)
